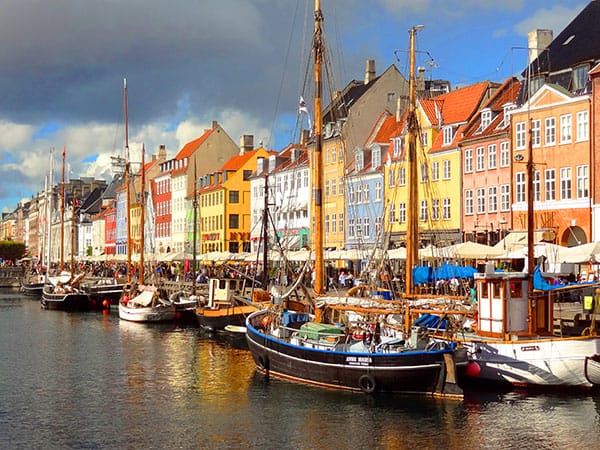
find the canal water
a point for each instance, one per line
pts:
(91, 381)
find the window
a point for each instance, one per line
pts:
(402, 212)
(582, 126)
(392, 179)
(520, 141)
(447, 171)
(326, 187)
(424, 173)
(486, 118)
(580, 77)
(550, 131)
(492, 199)
(448, 135)
(234, 196)
(492, 157)
(583, 189)
(435, 171)
(480, 158)
(537, 186)
(376, 157)
(341, 223)
(520, 187)
(565, 128)
(326, 223)
(367, 227)
(480, 200)
(402, 176)
(366, 193)
(351, 194)
(536, 126)
(397, 146)
(392, 213)
(468, 161)
(234, 221)
(468, 202)
(247, 174)
(351, 227)
(359, 160)
(550, 184)
(378, 226)
(423, 215)
(378, 191)
(504, 154)
(505, 197)
(424, 139)
(333, 187)
(446, 212)
(565, 183)
(435, 209)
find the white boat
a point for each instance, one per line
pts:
(146, 305)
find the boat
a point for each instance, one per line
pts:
(103, 291)
(351, 342)
(33, 285)
(512, 341)
(140, 302)
(63, 292)
(226, 305)
(145, 303)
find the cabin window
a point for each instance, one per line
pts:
(485, 290)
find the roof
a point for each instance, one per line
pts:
(578, 42)
(189, 148)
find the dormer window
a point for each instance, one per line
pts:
(397, 146)
(376, 157)
(486, 118)
(448, 135)
(359, 160)
(580, 76)
(508, 107)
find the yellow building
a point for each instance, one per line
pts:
(441, 120)
(224, 204)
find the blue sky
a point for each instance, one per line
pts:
(240, 62)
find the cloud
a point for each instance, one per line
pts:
(555, 18)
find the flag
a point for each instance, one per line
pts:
(302, 106)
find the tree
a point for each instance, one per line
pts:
(11, 250)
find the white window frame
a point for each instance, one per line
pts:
(550, 184)
(468, 202)
(550, 131)
(583, 182)
(566, 183)
(583, 126)
(480, 159)
(566, 128)
(520, 136)
(520, 191)
(504, 154)
(468, 161)
(492, 156)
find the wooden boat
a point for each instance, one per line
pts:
(352, 343)
(145, 304)
(185, 305)
(33, 285)
(62, 293)
(103, 291)
(225, 304)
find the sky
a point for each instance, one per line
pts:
(241, 63)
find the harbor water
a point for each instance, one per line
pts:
(91, 381)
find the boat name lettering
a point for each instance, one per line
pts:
(358, 360)
(530, 348)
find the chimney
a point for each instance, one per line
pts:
(420, 85)
(370, 71)
(214, 124)
(162, 152)
(246, 143)
(538, 41)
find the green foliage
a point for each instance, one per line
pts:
(12, 250)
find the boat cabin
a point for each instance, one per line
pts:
(504, 309)
(220, 290)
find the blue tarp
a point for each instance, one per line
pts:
(423, 274)
(541, 284)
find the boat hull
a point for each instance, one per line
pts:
(214, 319)
(410, 372)
(32, 289)
(542, 363)
(163, 313)
(65, 302)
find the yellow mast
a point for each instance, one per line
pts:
(412, 227)
(317, 156)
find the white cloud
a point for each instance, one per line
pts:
(555, 19)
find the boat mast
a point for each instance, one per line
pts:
(265, 233)
(142, 216)
(50, 193)
(127, 200)
(412, 230)
(62, 213)
(195, 228)
(73, 204)
(317, 157)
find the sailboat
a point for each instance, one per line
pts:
(63, 292)
(513, 342)
(351, 343)
(140, 302)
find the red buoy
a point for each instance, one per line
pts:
(105, 303)
(473, 369)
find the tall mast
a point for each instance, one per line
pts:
(265, 233)
(62, 213)
(143, 217)
(195, 229)
(412, 230)
(50, 193)
(317, 157)
(73, 204)
(127, 168)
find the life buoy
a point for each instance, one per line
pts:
(367, 384)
